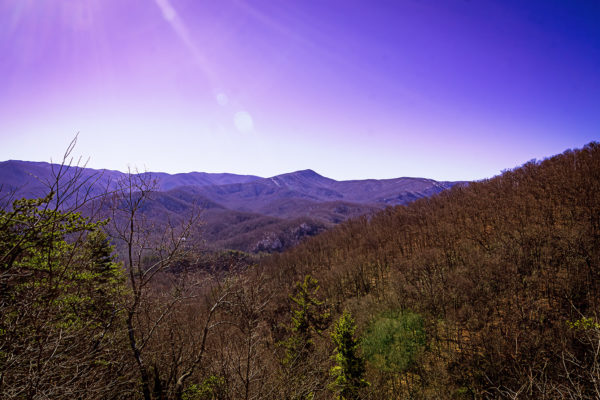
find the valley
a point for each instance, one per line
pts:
(239, 212)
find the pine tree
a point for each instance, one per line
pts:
(300, 366)
(308, 318)
(349, 372)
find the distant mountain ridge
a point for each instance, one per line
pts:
(16, 174)
(244, 212)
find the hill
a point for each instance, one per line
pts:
(505, 274)
(242, 212)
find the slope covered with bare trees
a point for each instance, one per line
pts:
(504, 274)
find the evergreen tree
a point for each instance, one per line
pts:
(301, 367)
(349, 371)
(308, 317)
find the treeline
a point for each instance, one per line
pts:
(487, 290)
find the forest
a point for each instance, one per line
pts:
(489, 289)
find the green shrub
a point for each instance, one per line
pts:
(393, 341)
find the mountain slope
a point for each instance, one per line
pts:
(239, 211)
(505, 274)
(267, 193)
(32, 177)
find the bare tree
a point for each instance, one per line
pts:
(170, 311)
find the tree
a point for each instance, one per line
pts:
(349, 371)
(59, 314)
(247, 341)
(301, 364)
(393, 341)
(393, 344)
(308, 318)
(170, 313)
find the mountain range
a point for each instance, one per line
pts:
(243, 212)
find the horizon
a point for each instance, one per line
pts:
(458, 91)
(136, 170)
(124, 171)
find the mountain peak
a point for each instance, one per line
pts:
(304, 176)
(307, 173)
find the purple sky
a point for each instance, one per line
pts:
(447, 89)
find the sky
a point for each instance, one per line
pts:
(445, 89)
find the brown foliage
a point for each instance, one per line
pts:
(498, 268)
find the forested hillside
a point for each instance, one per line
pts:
(504, 274)
(240, 212)
(488, 290)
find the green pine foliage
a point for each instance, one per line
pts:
(301, 371)
(309, 317)
(349, 371)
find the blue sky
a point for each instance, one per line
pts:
(450, 90)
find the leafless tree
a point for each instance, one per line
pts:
(170, 311)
